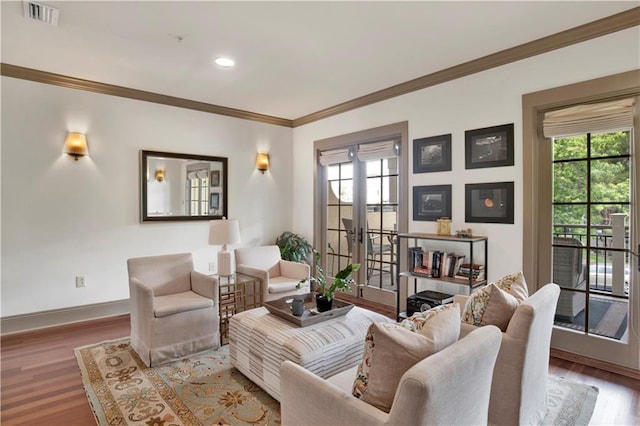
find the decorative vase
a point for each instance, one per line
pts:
(322, 303)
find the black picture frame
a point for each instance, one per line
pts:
(215, 178)
(489, 147)
(489, 202)
(432, 154)
(150, 161)
(431, 202)
(214, 201)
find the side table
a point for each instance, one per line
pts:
(237, 293)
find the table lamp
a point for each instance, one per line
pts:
(221, 233)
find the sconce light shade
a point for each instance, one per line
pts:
(159, 175)
(76, 145)
(262, 162)
(221, 233)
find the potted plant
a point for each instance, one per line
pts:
(325, 292)
(294, 247)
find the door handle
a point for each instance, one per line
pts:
(360, 236)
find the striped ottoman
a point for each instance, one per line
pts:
(259, 342)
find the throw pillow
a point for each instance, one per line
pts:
(515, 285)
(440, 325)
(391, 349)
(490, 305)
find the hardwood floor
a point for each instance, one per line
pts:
(41, 384)
(40, 378)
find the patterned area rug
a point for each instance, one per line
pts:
(569, 403)
(199, 390)
(205, 390)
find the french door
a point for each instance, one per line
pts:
(358, 184)
(592, 208)
(581, 217)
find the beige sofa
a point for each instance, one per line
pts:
(174, 309)
(450, 387)
(279, 277)
(518, 392)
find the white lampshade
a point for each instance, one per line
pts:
(221, 233)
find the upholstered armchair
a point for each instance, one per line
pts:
(174, 309)
(450, 387)
(279, 277)
(518, 391)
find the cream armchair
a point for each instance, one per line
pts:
(450, 387)
(174, 309)
(279, 277)
(518, 392)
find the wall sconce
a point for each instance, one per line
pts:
(159, 175)
(76, 145)
(262, 162)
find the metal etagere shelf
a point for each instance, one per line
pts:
(476, 247)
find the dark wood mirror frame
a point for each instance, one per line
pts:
(164, 181)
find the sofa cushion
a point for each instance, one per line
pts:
(490, 305)
(515, 285)
(392, 349)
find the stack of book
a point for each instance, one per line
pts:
(467, 270)
(434, 264)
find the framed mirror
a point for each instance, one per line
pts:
(182, 187)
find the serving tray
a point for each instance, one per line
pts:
(282, 308)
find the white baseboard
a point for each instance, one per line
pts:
(44, 319)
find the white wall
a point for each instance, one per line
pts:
(481, 100)
(62, 218)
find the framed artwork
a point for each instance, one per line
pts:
(431, 203)
(214, 201)
(215, 178)
(432, 154)
(489, 202)
(489, 147)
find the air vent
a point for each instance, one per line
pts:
(41, 12)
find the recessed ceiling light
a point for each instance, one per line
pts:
(225, 62)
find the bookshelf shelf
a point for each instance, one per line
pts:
(474, 249)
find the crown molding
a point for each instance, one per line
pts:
(601, 27)
(591, 30)
(23, 73)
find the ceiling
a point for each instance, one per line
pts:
(292, 58)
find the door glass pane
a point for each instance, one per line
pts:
(570, 220)
(610, 144)
(570, 182)
(339, 209)
(610, 180)
(381, 217)
(570, 147)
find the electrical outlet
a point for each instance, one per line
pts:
(212, 266)
(80, 281)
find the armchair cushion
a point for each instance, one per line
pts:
(179, 302)
(392, 349)
(279, 277)
(282, 284)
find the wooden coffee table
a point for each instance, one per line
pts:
(259, 342)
